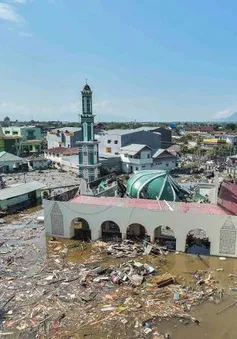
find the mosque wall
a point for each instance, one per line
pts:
(220, 229)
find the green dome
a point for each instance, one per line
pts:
(155, 184)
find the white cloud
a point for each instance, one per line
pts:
(9, 13)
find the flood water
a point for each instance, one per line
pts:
(212, 325)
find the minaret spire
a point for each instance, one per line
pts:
(88, 146)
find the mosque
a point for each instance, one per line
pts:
(154, 206)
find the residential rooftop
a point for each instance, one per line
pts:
(124, 131)
(5, 156)
(133, 149)
(21, 189)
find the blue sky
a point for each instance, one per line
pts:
(149, 60)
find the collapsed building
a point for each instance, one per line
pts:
(155, 208)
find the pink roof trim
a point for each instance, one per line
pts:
(193, 208)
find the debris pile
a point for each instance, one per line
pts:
(132, 272)
(130, 249)
(49, 296)
(49, 302)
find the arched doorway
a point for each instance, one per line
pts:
(110, 231)
(81, 229)
(136, 232)
(197, 242)
(164, 236)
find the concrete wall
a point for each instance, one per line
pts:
(24, 131)
(111, 141)
(116, 141)
(38, 164)
(53, 140)
(62, 139)
(164, 163)
(150, 139)
(4, 204)
(221, 229)
(14, 201)
(133, 167)
(166, 134)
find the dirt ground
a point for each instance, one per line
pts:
(47, 290)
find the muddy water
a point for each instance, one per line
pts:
(182, 266)
(212, 325)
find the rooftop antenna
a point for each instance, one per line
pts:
(86, 81)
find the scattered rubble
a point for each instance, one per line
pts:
(129, 248)
(46, 295)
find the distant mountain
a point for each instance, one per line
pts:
(231, 118)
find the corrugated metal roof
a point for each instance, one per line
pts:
(133, 149)
(146, 128)
(21, 189)
(161, 151)
(5, 156)
(120, 131)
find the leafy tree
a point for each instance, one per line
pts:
(230, 127)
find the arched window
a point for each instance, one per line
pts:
(85, 136)
(85, 154)
(92, 131)
(85, 104)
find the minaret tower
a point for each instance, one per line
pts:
(88, 146)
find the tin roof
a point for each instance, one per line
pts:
(133, 149)
(5, 156)
(20, 189)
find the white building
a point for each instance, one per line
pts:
(63, 137)
(111, 141)
(21, 195)
(26, 132)
(164, 160)
(9, 162)
(136, 157)
(230, 139)
(142, 217)
(57, 154)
